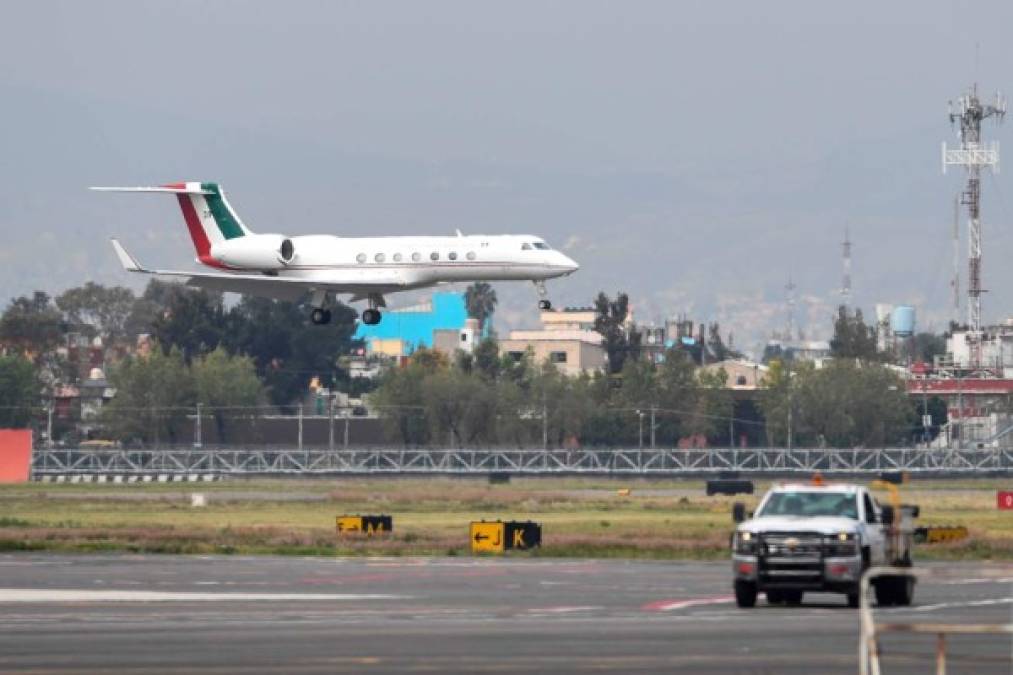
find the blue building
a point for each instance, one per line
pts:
(441, 321)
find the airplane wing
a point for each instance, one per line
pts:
(279, 288)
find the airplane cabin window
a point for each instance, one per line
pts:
(470, 255)
(397, 257)
(361, 257)
(416, 256)
(452, 255)
(434, 256)
(379, 257)
(525, 247)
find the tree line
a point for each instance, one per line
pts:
(261, 352)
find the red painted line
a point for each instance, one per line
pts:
(669, 605)
(175, 186)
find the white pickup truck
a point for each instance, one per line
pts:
(818, 537)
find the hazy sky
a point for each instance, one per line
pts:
(694, 154)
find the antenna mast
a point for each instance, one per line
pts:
(973, 155)
(789, 290)
(846, 261)
(955, 281)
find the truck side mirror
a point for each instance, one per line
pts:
(738, 512)
(887, 514)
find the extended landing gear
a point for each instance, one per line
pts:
(372, 316)
(543, 304)
(320, 316)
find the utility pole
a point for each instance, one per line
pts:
(973, 154)
(300, 425)
(640, 431)
(545, 422)
(790, 405)
(653, 426)
(198, 441)
(49, 425)
(330, 421)
(348, 416)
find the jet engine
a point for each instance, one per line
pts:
(255, 251)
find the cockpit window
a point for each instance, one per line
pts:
(525, 247)
(541, 246)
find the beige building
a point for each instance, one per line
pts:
(742, 375)
(566, 340)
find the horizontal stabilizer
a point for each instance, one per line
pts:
(176, 189)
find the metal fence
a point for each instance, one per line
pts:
(646, 462)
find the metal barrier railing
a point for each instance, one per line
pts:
(869, 630)
(624, 461)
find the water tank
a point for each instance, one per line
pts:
(902, 320)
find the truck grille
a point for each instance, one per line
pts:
(790, 545)
(791, 557)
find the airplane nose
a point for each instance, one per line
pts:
(570, 264)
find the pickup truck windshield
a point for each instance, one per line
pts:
(811, 504)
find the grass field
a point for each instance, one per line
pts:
(580, 517)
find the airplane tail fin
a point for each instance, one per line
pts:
(209, 216)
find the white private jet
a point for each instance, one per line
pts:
(323, 265)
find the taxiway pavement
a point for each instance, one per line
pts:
(165, 614)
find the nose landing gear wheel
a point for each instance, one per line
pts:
(371, 317)
(320, 316)
(544, 305)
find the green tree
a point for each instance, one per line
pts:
(193, 322)
(480, 300)
(926, 346)
(96, 310)
(610, 323)
(853, 339)
(845, 404)
(19, 392)
(400, 401)
(151, 305)
(460, 407)
(32, 325)
(287, 349)
(228, 387)
(487, 359)
(154, 394)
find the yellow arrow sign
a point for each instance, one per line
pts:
(486, 537)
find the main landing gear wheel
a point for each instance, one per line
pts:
(320, 316)
(544, 303)
(371, 317)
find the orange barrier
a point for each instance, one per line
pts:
(15, 455)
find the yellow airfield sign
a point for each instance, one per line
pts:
(487, 537)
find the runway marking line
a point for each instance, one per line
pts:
(671, 605)
(8, 595)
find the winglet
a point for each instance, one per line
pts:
(127, 260)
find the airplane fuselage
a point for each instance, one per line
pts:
(402, 262)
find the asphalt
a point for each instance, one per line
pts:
(146, 614)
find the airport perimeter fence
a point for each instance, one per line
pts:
(619, 462)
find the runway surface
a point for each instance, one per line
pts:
(147, 614)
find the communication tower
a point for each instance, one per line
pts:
(955, 280)
(973, 154)
(789, 290)
(846, 276)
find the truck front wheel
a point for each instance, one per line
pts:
(745, 594)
